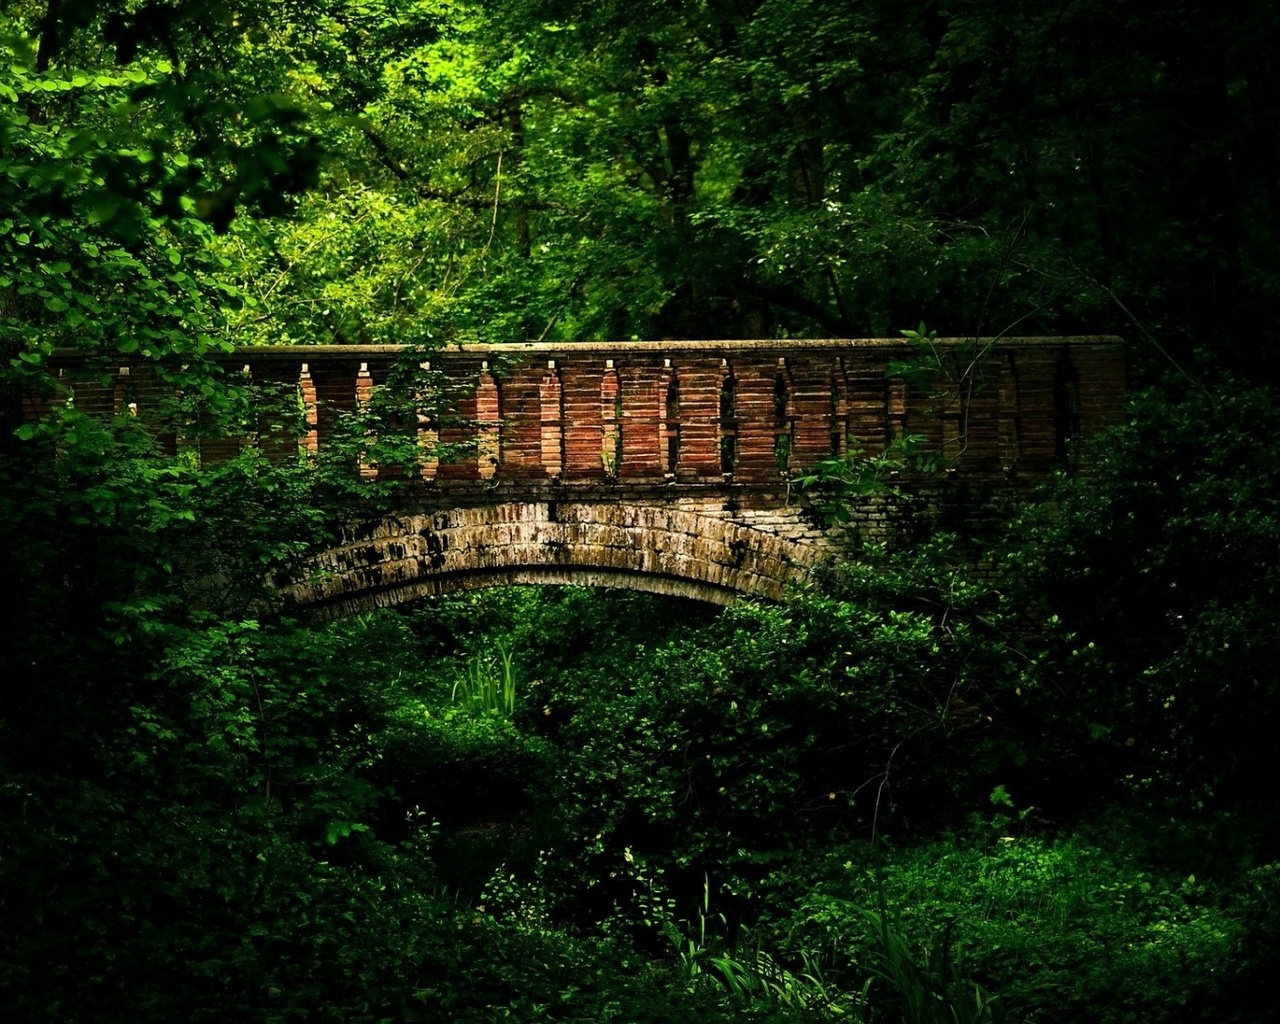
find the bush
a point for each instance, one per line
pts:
(1146, 595)
(1065, 929)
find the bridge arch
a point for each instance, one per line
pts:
(705, 550)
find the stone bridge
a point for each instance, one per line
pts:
(665, 465)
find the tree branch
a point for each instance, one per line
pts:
(837, 326)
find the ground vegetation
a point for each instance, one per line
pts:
(1023, 778)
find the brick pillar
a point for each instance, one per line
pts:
(698, 400)
(1009, 430)
(522, 423)
(979, 422)
(784, 417)
(309, 443)
(551, 407)
(610, 420)
(643, 401)
(1101, 377)
(458, 423)
(868, 402)
(364, 391)
(811, 403)
(121, 399)
(669, 424)
(582, 385)
(933, 411)
(839, 432)
(489, 422)
(428, 415)
(897, 408)
(756, 437)
(727, 447)
(1036, 368)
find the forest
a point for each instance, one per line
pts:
(1018, 777)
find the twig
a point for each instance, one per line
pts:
(497, 191)
(884, 784)
(551, 323)
(266, 746)
(1148, 335)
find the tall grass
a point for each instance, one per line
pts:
(924, 987)
(487, 683)
(760, 981)
(902, 985)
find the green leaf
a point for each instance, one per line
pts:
(1000, 797)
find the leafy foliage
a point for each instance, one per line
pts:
(1154, 581)
(1053, 754)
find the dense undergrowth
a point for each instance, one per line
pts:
(916, 792)
(1042, 792)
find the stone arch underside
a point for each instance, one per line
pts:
(693, 549)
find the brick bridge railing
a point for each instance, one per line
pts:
(664, 465)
